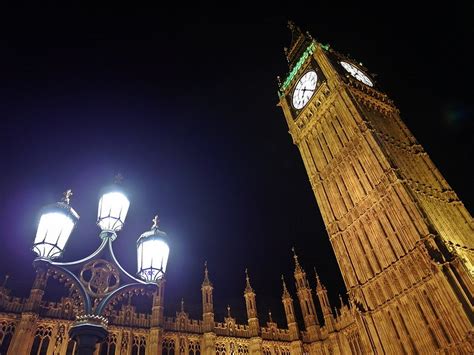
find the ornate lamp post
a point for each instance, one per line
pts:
(98, 279)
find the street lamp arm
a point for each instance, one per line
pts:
(84, 260)
(122, 270)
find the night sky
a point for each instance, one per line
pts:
(184, 107)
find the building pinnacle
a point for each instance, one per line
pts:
(319, 285)
(297, 264)
(182, 305)
(248, 288)
(206, 281)
(286, 294)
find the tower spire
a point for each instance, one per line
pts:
(206, 281)
(299, 42)
(248, 288)
(182, 305)
(228, 311)
(297, 264)
(285, 289)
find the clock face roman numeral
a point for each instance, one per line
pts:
(304, 89)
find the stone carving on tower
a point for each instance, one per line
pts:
(403, 239)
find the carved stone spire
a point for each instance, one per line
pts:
(182, 305)
(319, 285)
(206, 281)
(248, 288)
(286, 294)
(297, 264)
(228, 312)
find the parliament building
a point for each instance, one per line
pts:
(403, 241)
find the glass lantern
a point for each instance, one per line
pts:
(113, 208)
(152, 254)
(55, 226)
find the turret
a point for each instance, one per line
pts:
(289, 312)
(250, 303)
(306, 301)
(207, 302)
(325, 305)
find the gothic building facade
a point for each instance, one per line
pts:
(402, 238)
(35, 326)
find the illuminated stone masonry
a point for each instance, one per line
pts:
(403, 239)
(45, 330)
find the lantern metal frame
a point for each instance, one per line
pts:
(95, 282)
(67, 211)
(154, 234)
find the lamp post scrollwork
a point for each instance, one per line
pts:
(98, 279)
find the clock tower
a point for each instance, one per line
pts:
(403, 240)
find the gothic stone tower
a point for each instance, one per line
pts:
(403, 239)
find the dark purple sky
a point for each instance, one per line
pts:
(184, 106)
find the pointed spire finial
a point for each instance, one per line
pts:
(228, 311)
(67, 196)
(340, 299)
(248, 288)
(206, 281)
(297, 264)
(318, 281)
(156, 222)
(285, 289)
(182, 304)
(270, 319)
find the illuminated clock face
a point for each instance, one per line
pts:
(357, 73)
(304, 89)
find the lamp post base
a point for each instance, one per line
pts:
(87, 335)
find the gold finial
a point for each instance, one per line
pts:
(67, 196)
(228, 311)
(182, 304)
(342, 302)
(118, 179)
(270, 316)
(156, 221)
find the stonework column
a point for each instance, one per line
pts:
(208, 344)
(296, 347)
(255, 347)
(24, 334)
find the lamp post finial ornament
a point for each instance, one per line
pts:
(67, 196)
(156, 221)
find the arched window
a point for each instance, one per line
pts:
(41, 341)
(220, 349)
(266, 351)
(138, 345)
(194, 348)
(6, 333)
(168, 346)
(109, 345)
(242, 349)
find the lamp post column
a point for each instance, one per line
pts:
(87, 333)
